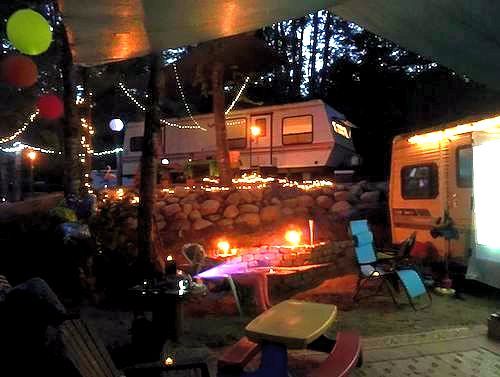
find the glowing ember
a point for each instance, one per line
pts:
(169, 361)
(223, 246)
(169, 258)
(293, 237)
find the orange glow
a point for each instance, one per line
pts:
(255, 131)
(293, 237)
(223, 246)
(32, 155)
(169, 258)
(169, 361)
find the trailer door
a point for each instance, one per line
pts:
(484, 264)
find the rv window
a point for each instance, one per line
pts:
(136, 144)
(261, 123)
(419, 181)
(236, 133)
(298, 130)
(464, 166)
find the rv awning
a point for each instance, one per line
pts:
(460, 34)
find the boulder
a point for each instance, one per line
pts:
(187, 208)
(194, 215)
(370, 196)
(290, 203)
(341, 196)
(201, 224)
(180, 192)
(160, 204)
(330, 191)
(245, 196)
(231, 212)
(382, 186)
(171, 209)
(161, 225)
(301, 211)
(224, 223)
(305, 201)
(181, 216)
(341, 207)
(214, 218)
(249, 208)
(356, 190)
(233, 198)
(324, 201)
(270, 213)
(248, 219)
(131, 223)
(257, 194)
(191, 197)
(172, 199)
(286, 211)
(209, 207)
(275, 201)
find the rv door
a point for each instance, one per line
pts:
(484, 264)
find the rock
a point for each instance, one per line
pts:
(233, 198)
(290, 203)
(248, 219)
(275, 201)
(370, 196)
(214, 218)
(201, 224)
(330, 191)
(356, 190)
(231, 212)
(181, 216)
(161, 225)
(257, 194)
(185, 225)
(191, 197)
(341, 207)
(209, 207)
(160, 204)
(340, 187)
(324, 201)
(131, 223)
(172, 199)
(245, 196)
(286, 211)
(270, 213)
(301, 211)
(382, 186)
(224, 223)
(171, 209)
(365, 185)
(180, 192)
(341, 196)
(249, 208)
(187, 208)
(194, 215)
(305, 201)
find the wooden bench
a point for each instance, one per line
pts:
(239, 354)
(345, 356)
(89, 356)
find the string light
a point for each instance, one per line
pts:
(236, 99)
(181, 91)
(18, 147)
(25, 125)
(111, 151)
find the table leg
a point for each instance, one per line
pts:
(273, 363)
(235, 294)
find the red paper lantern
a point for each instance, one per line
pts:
(50, 106)
(19, 71)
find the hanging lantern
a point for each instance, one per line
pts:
(29, 32)
(19, 71)
(50, 106)
(116, 125)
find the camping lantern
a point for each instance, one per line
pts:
(50, 106)
(29, 32)
(116, 125)
(19, 71)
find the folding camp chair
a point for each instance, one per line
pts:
(414, 286)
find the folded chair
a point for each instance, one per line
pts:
(373, 268)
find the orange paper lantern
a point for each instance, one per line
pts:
(50, 106)
(19, 71)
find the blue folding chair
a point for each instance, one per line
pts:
(373, 268)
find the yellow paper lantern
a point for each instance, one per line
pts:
(29, 32)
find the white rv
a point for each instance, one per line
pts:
(453, 168)
(299, 137)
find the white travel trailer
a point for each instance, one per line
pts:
(453, 168)
(302, 137)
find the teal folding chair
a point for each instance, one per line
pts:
(414, 287)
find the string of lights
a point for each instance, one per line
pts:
(183, 96)
(104, 153)
(236, 99)
(25, 125)
(18, 147)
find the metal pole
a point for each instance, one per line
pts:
(250, 152)
(32, 168)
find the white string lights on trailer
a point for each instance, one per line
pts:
(25, 125)
(18, 147)
(183, 96)
(108, 152)
(236, 99)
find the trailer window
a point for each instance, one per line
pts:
(236, 133)
(419, 181)
(298, 130)
(464, 166)
(136, 144)
(262, 124)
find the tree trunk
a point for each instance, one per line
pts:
(4, 177)
(87, 113)
(294, 41)
(326, 51)
(145, 263)
(222, 153)
(312, 60)
(300, 60)
(71, 123)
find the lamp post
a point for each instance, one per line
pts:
(32, 155)
(254, 134)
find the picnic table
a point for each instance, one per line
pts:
(291, 324)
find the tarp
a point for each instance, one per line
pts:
(461, 34)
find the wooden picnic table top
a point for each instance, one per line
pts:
(293, 323)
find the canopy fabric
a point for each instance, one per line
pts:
(460, 34)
